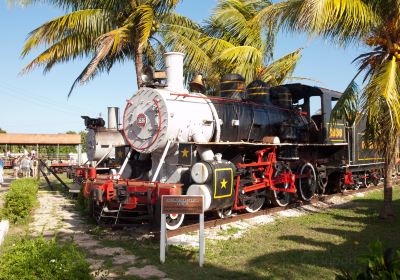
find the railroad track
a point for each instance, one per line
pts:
(243, 216)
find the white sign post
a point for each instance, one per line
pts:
(202, 245)
(182, 204)
(163, 238)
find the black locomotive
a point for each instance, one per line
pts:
(250, 145)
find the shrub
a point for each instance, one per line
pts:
(378, 264)
(42, 259)
(20, 199)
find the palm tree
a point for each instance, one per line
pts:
(374, 24)
(232, 41)
(109, 31)
(21, 3)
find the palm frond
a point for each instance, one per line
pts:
(342, 21)
(153, 53)
(278, 71)
(104, 65)
(182, 34)
(180, 20)
(232, 21)
(242, 60)
(108, 45)
(214, 46)
(92, 23)
(64, 50)
(195, 58)
(380, 99)
(368, 62)
(347, 106)
(297, 78)
(189, 31)
(162, 6)
(143, 19)
(231, 18)
(75, 5)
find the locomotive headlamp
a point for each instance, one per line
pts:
(200, 172)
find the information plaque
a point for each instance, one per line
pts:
(181, 205)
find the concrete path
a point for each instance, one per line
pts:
(57, 215)
(6, 185)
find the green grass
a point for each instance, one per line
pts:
(229, 231)
(37, 258)
(26, 257)
(315, 246)
(20, 200)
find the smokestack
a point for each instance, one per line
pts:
(174, 64)
(113, 117)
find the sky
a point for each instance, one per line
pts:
(38, 103)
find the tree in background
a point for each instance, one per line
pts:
(83, 140)
(109, 31)
(375, 25)
(2, 131)
(234, 41)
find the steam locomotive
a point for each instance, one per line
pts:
(252, 145)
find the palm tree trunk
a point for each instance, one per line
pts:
(139, 64)
(387, 210)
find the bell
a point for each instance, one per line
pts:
(197, 85)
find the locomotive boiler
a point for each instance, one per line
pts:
(101, 141)
(250, 145)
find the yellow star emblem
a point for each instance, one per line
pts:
(120, 154)
(185, 152)
(223, 183)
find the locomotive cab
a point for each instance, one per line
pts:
(304, 97)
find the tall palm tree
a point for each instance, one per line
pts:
(232, 41)
(374, 24)
(109, 31)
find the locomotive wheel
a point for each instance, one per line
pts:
(307, 185)
(174, 221)
(255, 203)
(336, 182)
(280, 199)
(356, 186)
(322, 179)
(366, 182)
(225, 212)
(371, 178)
